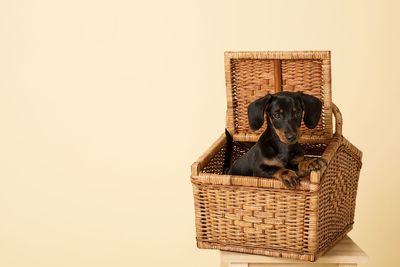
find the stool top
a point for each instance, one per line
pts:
(344, 252)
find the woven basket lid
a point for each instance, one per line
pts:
(251, 75)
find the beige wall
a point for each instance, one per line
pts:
(105, 104)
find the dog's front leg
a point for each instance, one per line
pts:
(288, 177)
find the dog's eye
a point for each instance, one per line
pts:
(277, 116)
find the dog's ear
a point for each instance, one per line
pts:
(256, 110)
(312, 107)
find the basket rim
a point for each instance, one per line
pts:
(309, 185)
(288, 54)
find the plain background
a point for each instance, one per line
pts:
(105, 104)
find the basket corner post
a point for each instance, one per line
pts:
(195, 169)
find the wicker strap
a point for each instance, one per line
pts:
(338, 119)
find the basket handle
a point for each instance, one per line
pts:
(315, 176)
(338, 119)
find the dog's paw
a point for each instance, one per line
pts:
(309, 165)
(317, 164)
(289, 178)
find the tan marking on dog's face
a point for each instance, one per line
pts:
(273, 162)
(281, 135)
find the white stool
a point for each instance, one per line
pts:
(345, 254)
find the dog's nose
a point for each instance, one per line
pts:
(291, 137)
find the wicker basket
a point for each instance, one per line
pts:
(260, 215)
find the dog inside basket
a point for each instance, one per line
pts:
(261, 215)
(217, 163)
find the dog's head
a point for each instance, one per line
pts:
(284, 111)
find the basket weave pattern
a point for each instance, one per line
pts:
(338, 193)
(254, 79)
(300, 224)
(260, 215)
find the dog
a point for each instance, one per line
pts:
(277, 153)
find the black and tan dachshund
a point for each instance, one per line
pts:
(277, 153)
